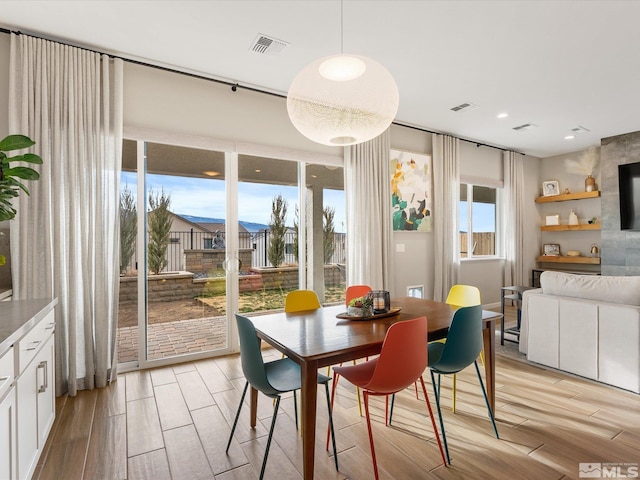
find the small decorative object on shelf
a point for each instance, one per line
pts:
(552, 219)
(551, 187)
(594, 250)
(573, 218)
(551, 250)
(566, 191)
(585, 165)
(593, 220)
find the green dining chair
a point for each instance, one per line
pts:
(464, 343)
(462, 296)
(272, 379)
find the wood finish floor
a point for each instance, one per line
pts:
(173, 423)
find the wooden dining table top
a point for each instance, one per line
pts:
(318, 335)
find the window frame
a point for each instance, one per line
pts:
(498, 186)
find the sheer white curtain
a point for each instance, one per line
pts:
(368, 192)
(65, 237)
(514, 271)
(446, 196)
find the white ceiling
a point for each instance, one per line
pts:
(556, 64)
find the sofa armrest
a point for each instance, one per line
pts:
(524, 319)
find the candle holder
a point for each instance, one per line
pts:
(381, 301)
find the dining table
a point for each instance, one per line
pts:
(318, 338)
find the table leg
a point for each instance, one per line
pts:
(254, 407)
(309, 399)
(489, 340)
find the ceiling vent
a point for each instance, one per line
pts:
(267, 45)
(579, 129)
(524, 126)
(464, 107)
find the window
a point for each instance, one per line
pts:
(479, 206)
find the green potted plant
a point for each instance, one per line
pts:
(361, 307)
(11, 176)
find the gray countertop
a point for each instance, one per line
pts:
(17, 317)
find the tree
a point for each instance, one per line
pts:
(128, 225)
(328, 233)
(296, 229)
(277, 230)
(159, 227)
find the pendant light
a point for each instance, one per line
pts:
(342, 99)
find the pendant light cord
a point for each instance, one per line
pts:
(341, 27)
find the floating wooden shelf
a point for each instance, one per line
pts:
(568, 196)
(565, 228)
(565, 259)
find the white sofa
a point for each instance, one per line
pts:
(588, 325)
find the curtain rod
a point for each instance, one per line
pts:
(235, 85)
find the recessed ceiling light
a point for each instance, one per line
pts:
(503, 115)
(211, 173)
(569, 137)
(258, 170)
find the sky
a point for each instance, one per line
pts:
(202, 197)
(484, 219)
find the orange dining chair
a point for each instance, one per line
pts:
(355, 291)
(300, 300)
(402, 361)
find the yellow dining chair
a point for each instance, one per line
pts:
(300, 300)
(355, 291)
(462, 296)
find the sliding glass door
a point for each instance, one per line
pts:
(173, 268)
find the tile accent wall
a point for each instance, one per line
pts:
(620, 250)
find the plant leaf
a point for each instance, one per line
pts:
(25, 173)
(15, 142)
(27, 157)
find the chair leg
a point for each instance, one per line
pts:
(433, 420)
(444, 435)
(295, 408)
(273, 424)
(333, 395)
(333, 432)
(453, 393)
(235, 422)
(393, 400)
(359, 400)
(373, 450)
(486, 400)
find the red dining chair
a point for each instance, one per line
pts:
(402, 360)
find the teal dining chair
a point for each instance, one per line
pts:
(463, 345)
(272, 379)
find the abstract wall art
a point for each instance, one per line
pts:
(411, 181)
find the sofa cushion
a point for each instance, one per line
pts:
(624, 290)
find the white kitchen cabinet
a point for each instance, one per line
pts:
(35, 394)
(27, 395)
(8, 447)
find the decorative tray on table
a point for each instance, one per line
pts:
(392, 311)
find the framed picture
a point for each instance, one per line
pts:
(552, 187)
(551, 249)
(411, 191)
(553, 220)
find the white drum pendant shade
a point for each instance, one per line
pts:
(342, 100)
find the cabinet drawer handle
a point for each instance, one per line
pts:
(4, 379)
(35, 344)
(45, 384)
(50, 326)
